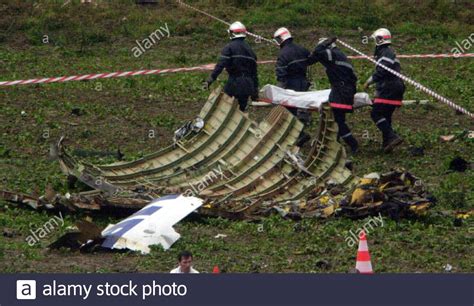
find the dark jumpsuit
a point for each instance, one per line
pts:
(291, 72)
(240, 62)
(343, 86)
(291, 66)
(389, 90)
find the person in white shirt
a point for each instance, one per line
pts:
(185, 262)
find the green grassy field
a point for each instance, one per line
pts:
(119, 113)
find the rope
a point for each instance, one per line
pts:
(257, 37)
(401, 76)
(412, 82)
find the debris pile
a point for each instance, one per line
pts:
(242, 170)
(396, 194)
(235, 164)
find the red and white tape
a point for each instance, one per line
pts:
(208, 67)
(211, 66)
(362, 55)
(105, 75)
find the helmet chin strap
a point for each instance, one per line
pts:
(234, 36)
(380, 41)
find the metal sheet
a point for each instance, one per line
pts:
(251, 157)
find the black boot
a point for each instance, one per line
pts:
(390, 139)
(352, 142)
(391, 142)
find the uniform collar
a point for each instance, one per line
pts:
(287, 42)
(379, 49)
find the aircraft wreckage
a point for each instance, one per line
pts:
(240, 168)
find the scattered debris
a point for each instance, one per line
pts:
(457, 222)
(86, 238)
(8, 233)
(322, 264)
(20, 198)
(76, 111)
(373, 175)
(458, 164)
(465, 214)
(448, 138)
(416, 151)
(447, 268)
(353, 271)
(220, 236)
(396, 194)
(460, 216)
(194, 126)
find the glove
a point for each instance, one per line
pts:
(209, 81)
(326, 43)
(332, 40)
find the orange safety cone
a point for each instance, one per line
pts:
(216, 270)
(363, 264)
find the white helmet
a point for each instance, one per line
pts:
(281, 35)
(382, 36)
(236, 30)
(323, 39)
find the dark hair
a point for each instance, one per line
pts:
(184, 254)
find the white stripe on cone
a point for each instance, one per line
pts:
(364, 267)
(363, 245)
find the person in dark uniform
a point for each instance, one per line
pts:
(241, 64)
(343, 81)
(389, 89)
(291, 73)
